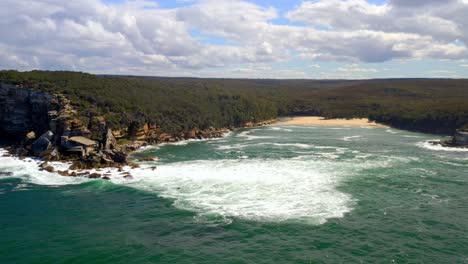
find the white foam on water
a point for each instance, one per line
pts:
(428, 145)
(454, 164)
(296, 145)
(281, 145)
(391, 131)
(28, 170)
(325, 147)
(276, 128)
(351, 138)
(228, 147)
(408, 136)
(332, 156)
(184, 142)
(247, 136)
(255, 189)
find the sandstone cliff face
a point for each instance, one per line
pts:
(47, 126)
(23, 110)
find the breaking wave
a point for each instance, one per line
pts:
(428, 145)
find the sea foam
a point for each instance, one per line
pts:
(255, 189)
(430, 146)
(28, 169)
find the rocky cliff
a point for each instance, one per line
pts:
(24, 110)
(458, 140)
(47, 126)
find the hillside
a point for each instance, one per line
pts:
(181, 104)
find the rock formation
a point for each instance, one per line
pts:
(459, 140)
(25, 113)
(66, 135)
(23, 110)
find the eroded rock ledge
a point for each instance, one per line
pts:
(48, 127)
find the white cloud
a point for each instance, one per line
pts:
(355, 69)
(140, 37)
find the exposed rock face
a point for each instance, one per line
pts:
(25, 113)
(65, 121)
(65, 135)
(109, 140)
(461, 138)
(44, 143)
(24, 110)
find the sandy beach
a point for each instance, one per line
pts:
(320, 121)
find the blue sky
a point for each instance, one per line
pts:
(317, 39)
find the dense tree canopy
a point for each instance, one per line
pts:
(177, 104)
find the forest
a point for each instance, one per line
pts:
(179, 104)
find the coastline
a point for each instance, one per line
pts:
(79, 168)
(322, 121)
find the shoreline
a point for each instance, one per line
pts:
(66, 167)
(124, 171)
(322, 121)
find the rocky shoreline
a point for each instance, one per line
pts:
(47, 127)
(459, 140)
(102, 163)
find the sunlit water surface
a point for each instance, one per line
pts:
(266, 195)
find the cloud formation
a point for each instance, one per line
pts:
(140, 37)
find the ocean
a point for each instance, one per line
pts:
(275, 194)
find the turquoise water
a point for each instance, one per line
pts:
(266, 195)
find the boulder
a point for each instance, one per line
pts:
(43, 143)
(64, 173)
(77, 165)
(94, 176)
(50, 154)
(49, 169)
(165, 137)
(29, 138)
(147, 159)
(133, 165)
(119, 157)
(21, 152)
(5, 173)
(106, 160)
(45, 166)
(199, 135)
(31, 135)
(190, 134)
(48, 135)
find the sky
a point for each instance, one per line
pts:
(308, 39)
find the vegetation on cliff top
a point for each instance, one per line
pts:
(178, 104)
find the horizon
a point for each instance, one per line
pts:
(239, 78)
(255, 39)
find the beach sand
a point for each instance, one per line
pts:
(320, 121)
